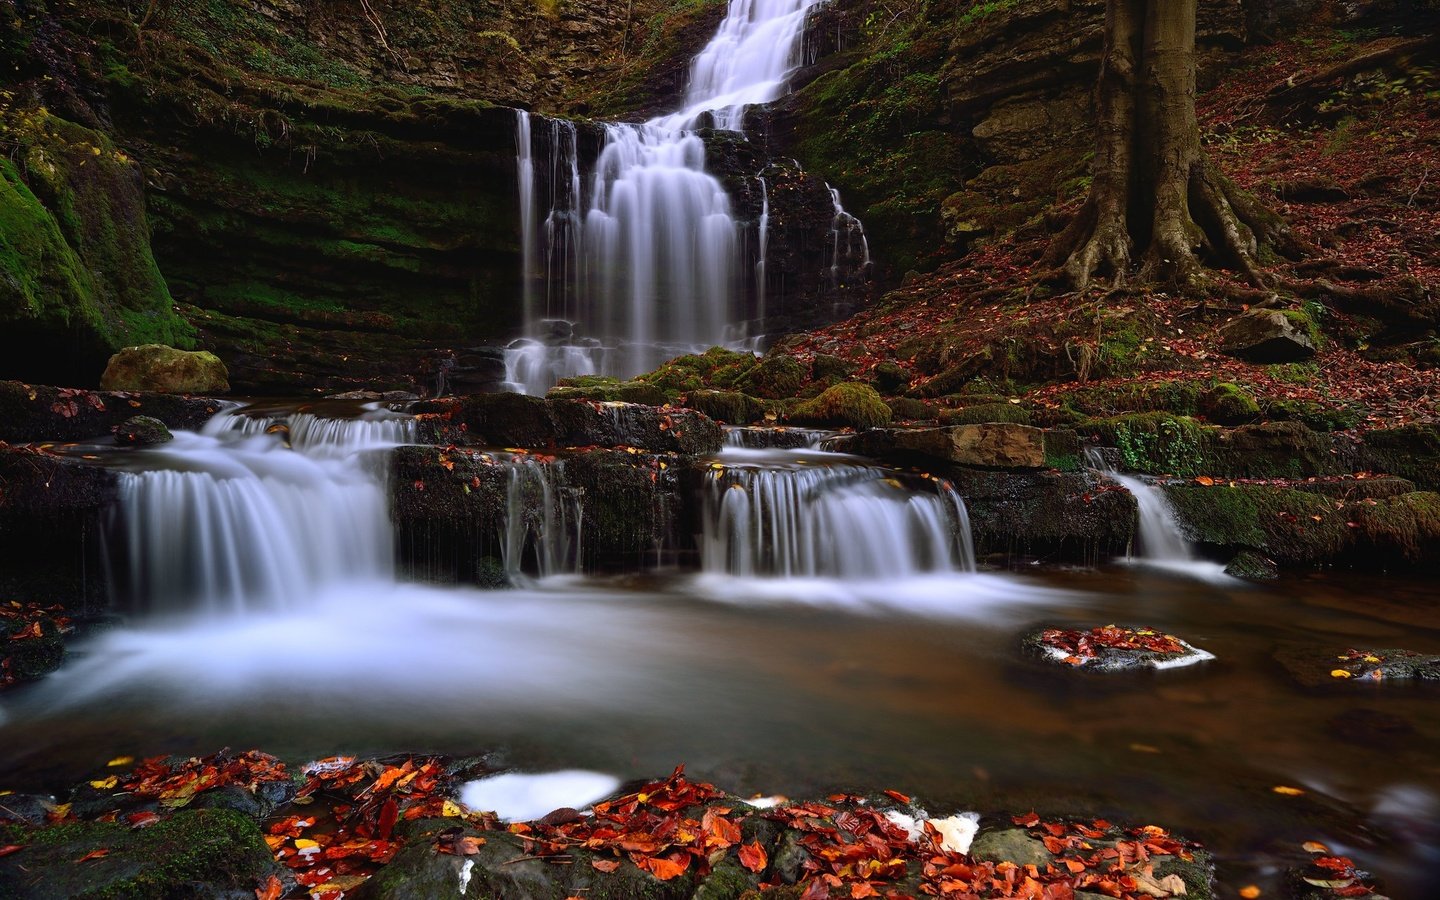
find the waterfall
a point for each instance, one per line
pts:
(1159, 532)
(764, 248)
(257, 512)
(849, 250)
(777, 438)
(842, 520)
(542, 520)
(655, 269)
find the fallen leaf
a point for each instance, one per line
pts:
(665, 869)
(753, 857)
(1287, 790)
(1341, 673)
(1316, 847)
(1250, 892)
(605, 865)
(11, 848)
(120, 761)
(272, 890)
(95, 854)
(106, 784)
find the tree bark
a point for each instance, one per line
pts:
(1155, 201)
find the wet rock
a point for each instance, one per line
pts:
(608, 390)
(990, 445)
(42, 413)
(261, 803)
(497, 420)
(195, 853)
(1054, 515)
(26, 809)
(584, 424)
(1253, 566)
(1013, 845)
(775, 377)
(156, 367)
(53, 513)
(1319, 665)
(1266, 336)
(1097, 656)
(142, 431)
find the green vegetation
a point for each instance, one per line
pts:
(852, 405)
(1156, 443)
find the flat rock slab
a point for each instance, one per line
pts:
(1112, 648)
(1313, 665)
(991, 445)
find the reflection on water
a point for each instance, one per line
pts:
(806, 686)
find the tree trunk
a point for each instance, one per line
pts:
(1155, 201)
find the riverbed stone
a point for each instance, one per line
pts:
(34, 412)
(1014, 845)
(142, 431)
(156, 367)
(1319, 665)
(1252, 566)
(1110, 660)
(1267, 336)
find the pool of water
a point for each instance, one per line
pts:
(801, 686)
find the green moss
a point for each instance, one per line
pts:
(911, 409)
(1316, 416)
(194, 852)
(1405, 527)
(730, 407)
(1155, 443)
(1286, 525)
(595, 387)
(775, 377)
(986, 412)
(1230, 404)
(851, 405)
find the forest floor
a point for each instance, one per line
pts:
(1348, 154)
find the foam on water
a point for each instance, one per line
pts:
(517, 797)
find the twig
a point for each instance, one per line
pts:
(1424, 176)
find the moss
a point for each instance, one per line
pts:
(986, 412)
(194, 852)
(1316, 416)
(1286, 525)
(773, 378)
(1230, 404)
(730, 407)
(1404, 528)
(911, 409)
(717, 366)
(1155, 443)
(825, 367)
(593, 387)
(889, 377)
(851, 405)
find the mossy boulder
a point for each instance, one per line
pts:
(827, 368)
(1288, 526)
(986, 412)
(716, 367)
(592, 387)
(194, 853)
(142, 431)
(1269, 336)
(908, 408)
(775, 377)
(890, 377)
(851, 405)
(730, 407)
(1230, 404)
(1155, 443)
(166, 370)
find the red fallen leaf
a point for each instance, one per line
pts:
(605, 865)
(95, 854)
(1029, 820)
(753, 857)
(272, 890)
(388, 814)
(863, 889)
(896, 796)
(11, 848)
(816, 890)
(665, 869)
(142, 819)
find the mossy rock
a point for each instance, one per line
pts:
(203, 852)
(1155, 443)
(775, 377)
(142, 431)
(1316, 416)
(608, 390)
(730, 407)
(1403, 529)
(32, 657)
(1290, 527)
(1271, 450)
(851, 405)
(1230, 404)
(825, 367)
(890, 377)
(166, 370)
(986, 412)
(910, 409)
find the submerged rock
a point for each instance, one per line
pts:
(1252, 566)
(1316, 665)
(156, 367)
(142, 431)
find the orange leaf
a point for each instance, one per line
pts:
(752, 857)
(11, 848)
(1205, 480)
(273, 890)
(95, 854)
(605, 865)
(665, 869)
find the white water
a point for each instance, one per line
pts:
(1160, 541)
(517, 797)
(542, 520)
(808, 514)
(655, 271)
(235, 519)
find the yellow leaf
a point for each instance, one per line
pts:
(1372, 659)
(1287, 790)
(120, 761)
(1316, 847)
(1340, 673)
(105, 784)
(305, 844)
(6, 793)
(451, 810)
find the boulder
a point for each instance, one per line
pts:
(847, 405)
(1267, 336)
(156, 367)
(142, 431)
(1252, 566)
(1319, 665)
(991, 445)
(1014, 845)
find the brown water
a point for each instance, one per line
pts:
(802, 687)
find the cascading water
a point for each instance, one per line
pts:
(822, 515)
(849, 250)
(657, 265)
(542, 520)
(238, 517)
(1160, 539)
